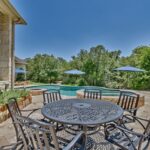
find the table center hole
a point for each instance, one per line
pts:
(81, 105)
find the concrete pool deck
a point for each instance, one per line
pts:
(7, 133)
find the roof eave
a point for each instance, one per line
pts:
(17, 18)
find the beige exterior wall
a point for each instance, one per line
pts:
(8, 18)
(6, 48)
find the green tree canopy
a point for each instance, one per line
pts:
(97, 63)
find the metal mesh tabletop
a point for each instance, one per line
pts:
(82, 112)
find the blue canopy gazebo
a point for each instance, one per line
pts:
(74, 72)
(128, 69)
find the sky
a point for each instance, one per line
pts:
(63, 27)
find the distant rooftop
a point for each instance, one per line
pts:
(19, 61)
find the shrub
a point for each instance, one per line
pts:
(6, 95)
(81, 82)
(69, 80)
(20, 77)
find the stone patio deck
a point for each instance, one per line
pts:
(7, 133)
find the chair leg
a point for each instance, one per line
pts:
(135, 112)
(59, 127)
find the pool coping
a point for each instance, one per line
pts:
(27, 86)
(107, 96)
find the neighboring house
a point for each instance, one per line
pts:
(20, 63)
(9, 17)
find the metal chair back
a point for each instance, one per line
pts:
(51, 96)
(37, 135)
(128, 101)
(14, 110)
(92, 94)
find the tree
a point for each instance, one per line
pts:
(97, 63)
(43, 68)
(140, 57)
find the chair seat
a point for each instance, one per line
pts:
(126, 138)
(120, 138)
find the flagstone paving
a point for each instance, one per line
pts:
(7, 133)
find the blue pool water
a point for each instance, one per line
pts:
(71, 90)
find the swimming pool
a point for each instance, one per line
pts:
(71, 90)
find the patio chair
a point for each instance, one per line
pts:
(129, 101)
(93, 93)
(127, 139)
(14, 110)
(51, 96)
(42, 136)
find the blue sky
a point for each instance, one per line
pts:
(63, 27)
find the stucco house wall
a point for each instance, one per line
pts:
(9, 17)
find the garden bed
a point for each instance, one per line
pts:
(37, 91)
(19, 83)
(22, 101)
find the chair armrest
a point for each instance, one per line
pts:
(75, 140)
(31, 111)
(137, 118)
(40, 123)
(124, 130)
(131, 110)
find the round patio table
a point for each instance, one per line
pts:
(82, 112)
